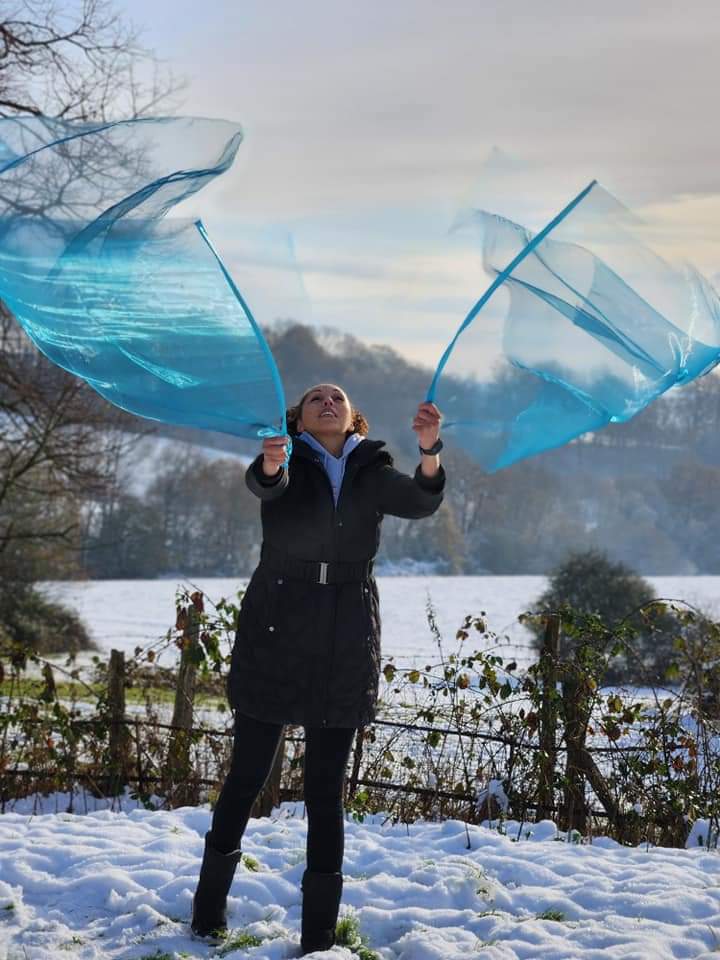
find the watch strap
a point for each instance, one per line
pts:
(431, 451)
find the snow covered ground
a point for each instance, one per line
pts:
(119, 885)
(129, 613)
(102, 883)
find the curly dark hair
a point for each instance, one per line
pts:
(359, 422)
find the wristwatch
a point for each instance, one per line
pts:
(431, 451)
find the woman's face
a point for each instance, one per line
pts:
(325, 411)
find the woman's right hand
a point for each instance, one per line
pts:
(274, 450)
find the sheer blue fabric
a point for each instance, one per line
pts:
(589, 325)
(139, 306)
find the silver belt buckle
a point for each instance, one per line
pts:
(323, 572)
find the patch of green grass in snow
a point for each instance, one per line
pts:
(236, 941)
(556, 915)
(347, 934)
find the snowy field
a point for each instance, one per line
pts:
(129, 613)
(119, 885)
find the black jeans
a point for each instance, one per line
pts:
(326, 755)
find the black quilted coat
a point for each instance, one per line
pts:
(308, 653)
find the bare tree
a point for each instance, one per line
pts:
(80, 61)
(59, 450)
(60, 443)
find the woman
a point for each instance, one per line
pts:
(307, 647)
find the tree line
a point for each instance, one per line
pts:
(641, 492)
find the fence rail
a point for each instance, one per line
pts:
(552, 771)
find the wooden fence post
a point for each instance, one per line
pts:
(357, 760)
(269, 796)
(119, 739)
(177, 766)
(138, 758)
(576, 713)
(548, 717)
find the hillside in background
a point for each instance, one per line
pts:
(644, 491)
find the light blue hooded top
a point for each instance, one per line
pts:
(334, 466)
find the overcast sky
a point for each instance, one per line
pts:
(367, 124)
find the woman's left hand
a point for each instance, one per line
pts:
(427, 424)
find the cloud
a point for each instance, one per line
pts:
(687, 227)
(354, 110)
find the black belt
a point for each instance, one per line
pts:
(315, 571)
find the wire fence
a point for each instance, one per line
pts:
(469, 738)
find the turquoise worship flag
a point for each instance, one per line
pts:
(138, 304)
(593, 325)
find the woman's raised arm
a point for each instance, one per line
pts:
(420, 495)
(427, 427)
(267, 477)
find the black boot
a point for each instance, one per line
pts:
(209, 915)
(320, 906)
